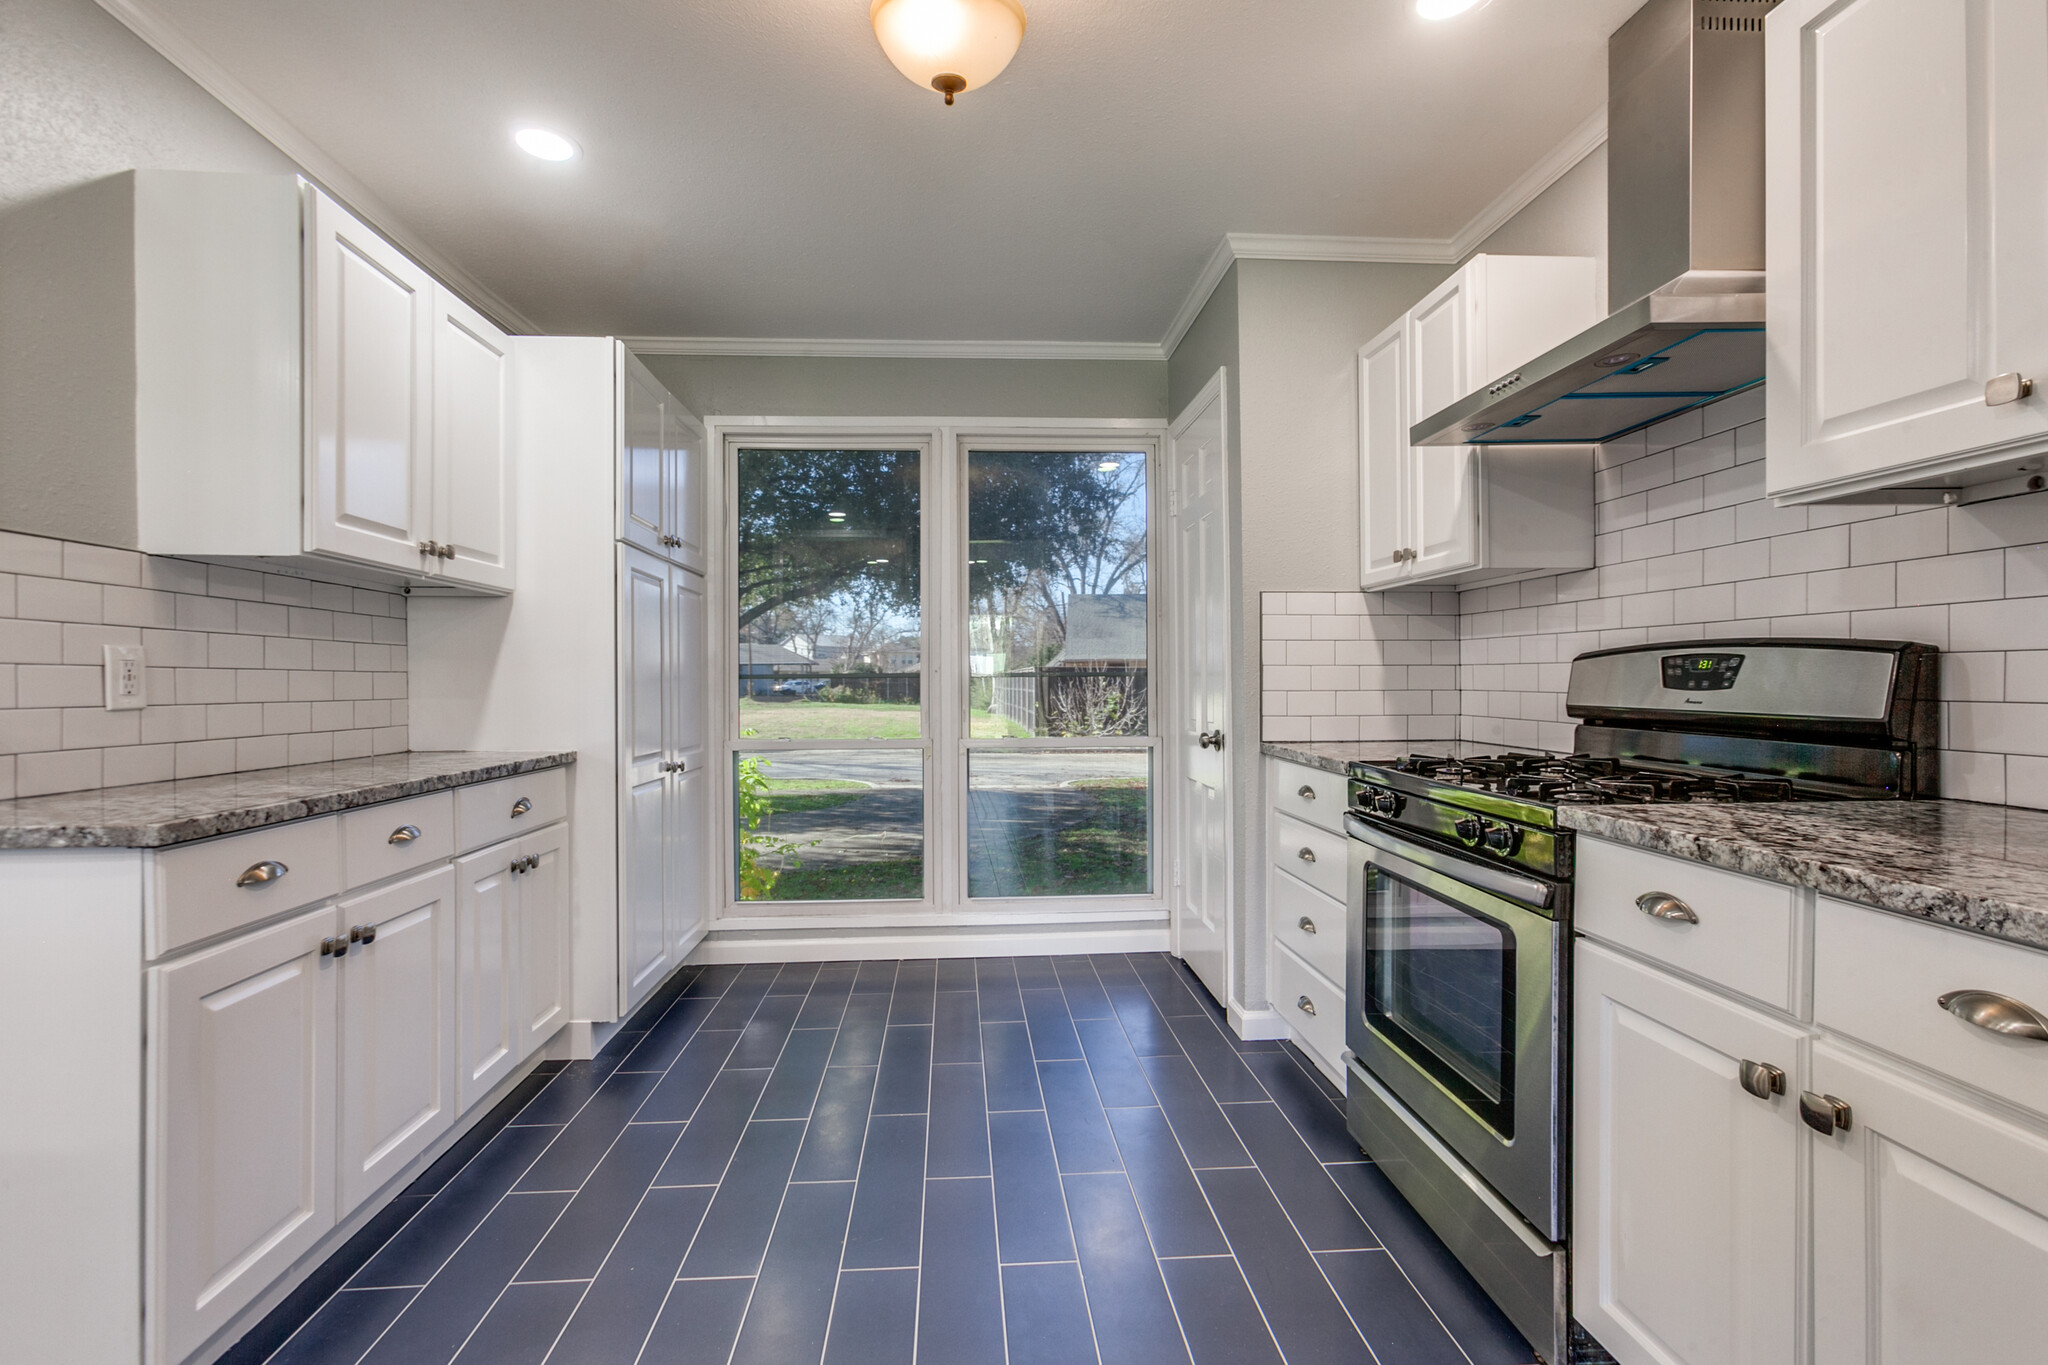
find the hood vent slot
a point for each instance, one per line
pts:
(1716, 23)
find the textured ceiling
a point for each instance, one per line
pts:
(757, 168)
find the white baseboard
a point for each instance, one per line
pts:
(1250, 1024)
(739, 946)
(582, 1039)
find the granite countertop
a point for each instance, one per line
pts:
(156, 814)
(1976, 867)
(1333, 755)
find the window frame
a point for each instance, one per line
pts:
(944, 740)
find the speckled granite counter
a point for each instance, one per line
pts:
(1332, 756)
(154, 814)
(1976, 867)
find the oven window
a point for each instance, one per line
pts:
(1440, 984)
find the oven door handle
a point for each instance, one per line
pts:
(1485, 876)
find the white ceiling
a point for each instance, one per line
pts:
(757, 168)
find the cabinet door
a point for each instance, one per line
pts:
(689, 781)
(645, 778)
(487, 949)
(1443, 481)
(395, 1059)
(1383, 457)
(543, 984)
(1907, 233)
(1684, 1206)
(242, 1133)
(683, 468)
(472, 448)
(1930, 1224)
(369, 369)
(644, 510)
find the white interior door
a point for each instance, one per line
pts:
(487, 955)
(395, 1058)
(369, 372)
(644, 609)
(243, 1185)
(1200, 494)
(472, 445)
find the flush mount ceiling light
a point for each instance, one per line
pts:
(547, 145)
(1445, 9)
(949, 46)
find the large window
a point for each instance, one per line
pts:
(942, 681)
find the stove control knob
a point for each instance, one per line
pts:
(1500, 839)
(1469, 828)
(1385, 803)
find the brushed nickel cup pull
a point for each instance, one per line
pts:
(1307, 925)
(404, 834)
(1762, 1080)
(1664, 905)
(1307, 793)
(521, 807)
(1305, 1005)
(269, 870)
(1824, 1114)
(1307, 855)
(1995, 1013)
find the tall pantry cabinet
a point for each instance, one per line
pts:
(601, 650)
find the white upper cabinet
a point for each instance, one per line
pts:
(370, 377)
(1907, 240)
(272, 379)
(472, 509)
(1470, 515)
(661, 469)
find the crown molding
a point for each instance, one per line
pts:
(884, 348)
(171, 43)
(1265, 246)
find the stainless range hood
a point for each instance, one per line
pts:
(1685, 242)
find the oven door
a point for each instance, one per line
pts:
(1453, 1007)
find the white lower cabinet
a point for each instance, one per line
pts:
(1930, 1224)
(1307, 926)
(242, 1087)
(1685, 1211)
(1698, 1238)
(512, 932)
(542, 998)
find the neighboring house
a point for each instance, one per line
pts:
(760, 665)
(1104, 632)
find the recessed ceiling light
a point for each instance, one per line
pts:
(548, 146)
(1445, 9)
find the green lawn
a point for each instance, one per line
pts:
(849, 720)
(902, 880)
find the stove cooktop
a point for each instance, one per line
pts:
(1583, 780)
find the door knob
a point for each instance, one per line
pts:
(1210, 739)
(1824, 1114)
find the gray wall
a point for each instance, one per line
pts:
(1568, 219)
(840, 386)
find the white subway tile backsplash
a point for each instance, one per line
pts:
(240, 662)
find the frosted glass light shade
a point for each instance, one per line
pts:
(949, 45)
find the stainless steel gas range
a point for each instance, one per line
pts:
(1459, 996)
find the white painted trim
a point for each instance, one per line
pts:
(1579, 144)
(885, 348)
(170, 42)
(730, 947)
(1250, 1023)
(1265, 246)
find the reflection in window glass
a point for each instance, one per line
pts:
(829, 825)
(1059, 822)
(830, 622)
(1057, 582)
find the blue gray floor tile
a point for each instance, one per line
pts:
(1001, 1161)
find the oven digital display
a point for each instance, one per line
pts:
(1701, 672)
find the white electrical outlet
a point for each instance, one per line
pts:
(127, 678)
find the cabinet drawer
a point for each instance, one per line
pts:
(1316, 856)
(1308, 794)
(1879, 977)
(199, 889)
(1746, 927)
(485, 814)
(398, 836)
(1311, 1004)
(1312, 924)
